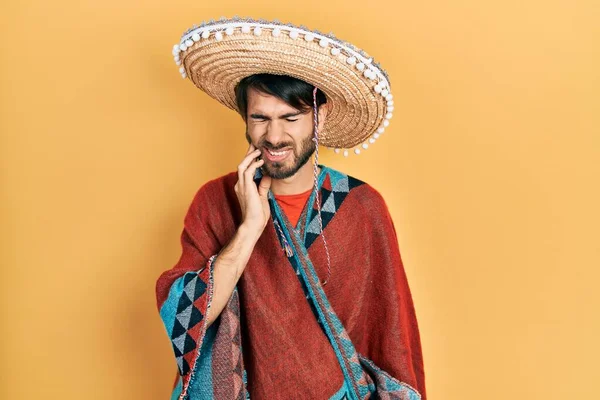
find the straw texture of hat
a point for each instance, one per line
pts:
(216, 55)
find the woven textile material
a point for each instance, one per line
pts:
(283, 334)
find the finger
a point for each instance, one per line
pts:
(264, 186)
(253, 166)
(250, 149)
(249, 174)
(244, 165)
(248, 159)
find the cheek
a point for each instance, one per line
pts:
(302, 129)
(255, 132)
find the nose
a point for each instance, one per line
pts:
(275, 133)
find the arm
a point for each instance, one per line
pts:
(228, 268)
(192, 294)
(232, 260)
(394, 346)
(411, 354)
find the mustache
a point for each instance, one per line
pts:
(279, 146)
(275, 147)
(269, 145)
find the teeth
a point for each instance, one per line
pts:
(277, 153)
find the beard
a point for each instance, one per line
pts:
(287, 168)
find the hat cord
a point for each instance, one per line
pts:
(316, 140)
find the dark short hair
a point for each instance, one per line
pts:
(293, 91)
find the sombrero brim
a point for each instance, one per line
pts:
(216, 56)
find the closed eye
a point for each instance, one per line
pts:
(291, 120)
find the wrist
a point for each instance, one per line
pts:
(248, 233)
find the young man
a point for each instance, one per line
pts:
(290, 283)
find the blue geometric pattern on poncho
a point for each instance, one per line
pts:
(392, 387)
(341, 185)
(186, 318)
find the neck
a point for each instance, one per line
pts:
(300, 182)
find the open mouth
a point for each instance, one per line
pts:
(278, 155)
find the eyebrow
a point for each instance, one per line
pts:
(284, 116)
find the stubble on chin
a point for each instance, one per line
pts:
(282, 170)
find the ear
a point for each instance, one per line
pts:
(322, 113)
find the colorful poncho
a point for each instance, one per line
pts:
(283, 335)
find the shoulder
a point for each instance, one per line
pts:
(368, 207)
(216, 187)
(212, 196)
(360, 193)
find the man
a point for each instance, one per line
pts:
(290, 283)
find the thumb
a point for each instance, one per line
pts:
(264, 186)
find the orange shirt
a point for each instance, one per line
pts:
(293, 204)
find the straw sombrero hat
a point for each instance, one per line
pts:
(216, 55)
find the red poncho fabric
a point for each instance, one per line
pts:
(283, 334)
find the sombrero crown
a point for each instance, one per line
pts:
(216, 55)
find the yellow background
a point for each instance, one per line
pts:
(490, 168)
